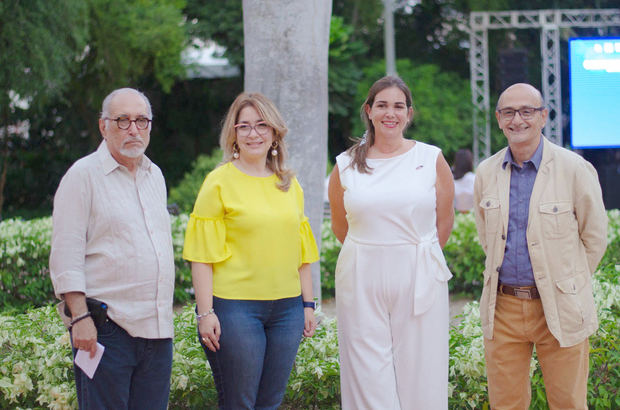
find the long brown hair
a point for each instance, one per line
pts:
(270, 115)
(359, 151)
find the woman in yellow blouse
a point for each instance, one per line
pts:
(251, 246)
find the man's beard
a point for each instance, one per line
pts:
(133, 152)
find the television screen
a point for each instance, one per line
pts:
(594, 92)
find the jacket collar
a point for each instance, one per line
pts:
(535, 160)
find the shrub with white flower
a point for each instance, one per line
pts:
(36, 369)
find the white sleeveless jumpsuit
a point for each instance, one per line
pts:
(391, 286)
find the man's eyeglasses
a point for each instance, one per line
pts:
(526, 113)
(124, 123)
(243, 130)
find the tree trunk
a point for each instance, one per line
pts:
(4, 154)
(286, 46)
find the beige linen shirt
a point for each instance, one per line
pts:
(111, 240)
(566, 238)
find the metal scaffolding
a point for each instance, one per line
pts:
(549, 22)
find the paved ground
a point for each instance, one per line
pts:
(456, 308)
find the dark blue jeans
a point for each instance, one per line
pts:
(258, 346)
(134, 373)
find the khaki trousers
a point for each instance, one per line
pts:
(519, 325)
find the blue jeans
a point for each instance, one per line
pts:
(134, 373)
(258, 346)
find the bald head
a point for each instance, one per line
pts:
(520, 89)
(521, 116)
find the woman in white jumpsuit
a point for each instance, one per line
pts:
(391, 200)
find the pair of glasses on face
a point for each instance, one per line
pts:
(243, 130)
(526, 113)
(124, 123)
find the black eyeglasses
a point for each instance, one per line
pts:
(124, 123)
(527, 113)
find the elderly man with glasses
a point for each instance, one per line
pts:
(112, 262)
(542, 224)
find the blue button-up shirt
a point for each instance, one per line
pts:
(516, 268)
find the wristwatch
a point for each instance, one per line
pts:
(310, 305)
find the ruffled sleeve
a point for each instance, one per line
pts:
(205, 237)
(205, 240)
(309, 251)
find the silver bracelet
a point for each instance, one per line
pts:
(210, 312)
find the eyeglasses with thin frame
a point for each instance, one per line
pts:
(124, 123)
(243, 130)
(526, 113)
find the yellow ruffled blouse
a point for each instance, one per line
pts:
(255, 235)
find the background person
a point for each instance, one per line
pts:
(542, 224)
(251, 246)
(391, 202)
(111, 241)
(464, 177)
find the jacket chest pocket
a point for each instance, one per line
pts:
(557, 219)
(490, 208)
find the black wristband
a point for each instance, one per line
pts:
(77, 319)
(310, 305)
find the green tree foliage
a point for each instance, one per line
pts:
(343, 76)
(365, 17)
(38, 46)
(441, 100)
(184, 194)
(431, 33)
(133, 43)
(187, 122)
(220, 21)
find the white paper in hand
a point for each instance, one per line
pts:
(88, 365)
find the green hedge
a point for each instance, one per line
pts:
(463, 253)
(36, 369)
(468, 385)
(184, 194)
(25, 247)
(24, 257)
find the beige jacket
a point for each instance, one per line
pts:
(566, 237)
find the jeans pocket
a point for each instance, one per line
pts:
(107, 329)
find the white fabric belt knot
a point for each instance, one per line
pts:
(431, 268)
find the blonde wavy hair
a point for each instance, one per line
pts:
(271, 116)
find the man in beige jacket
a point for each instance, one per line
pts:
(542, 224)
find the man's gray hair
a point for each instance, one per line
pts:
(107, 100)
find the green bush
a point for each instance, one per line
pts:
(468, 386)
(24, 257)
(36, 368)
(24, 260)
(463, 253)
(330, 249)
(612, 255)
(184, 194)
(465, 257)
(25, 247)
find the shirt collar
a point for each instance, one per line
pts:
(110, 164)
(535, 160)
